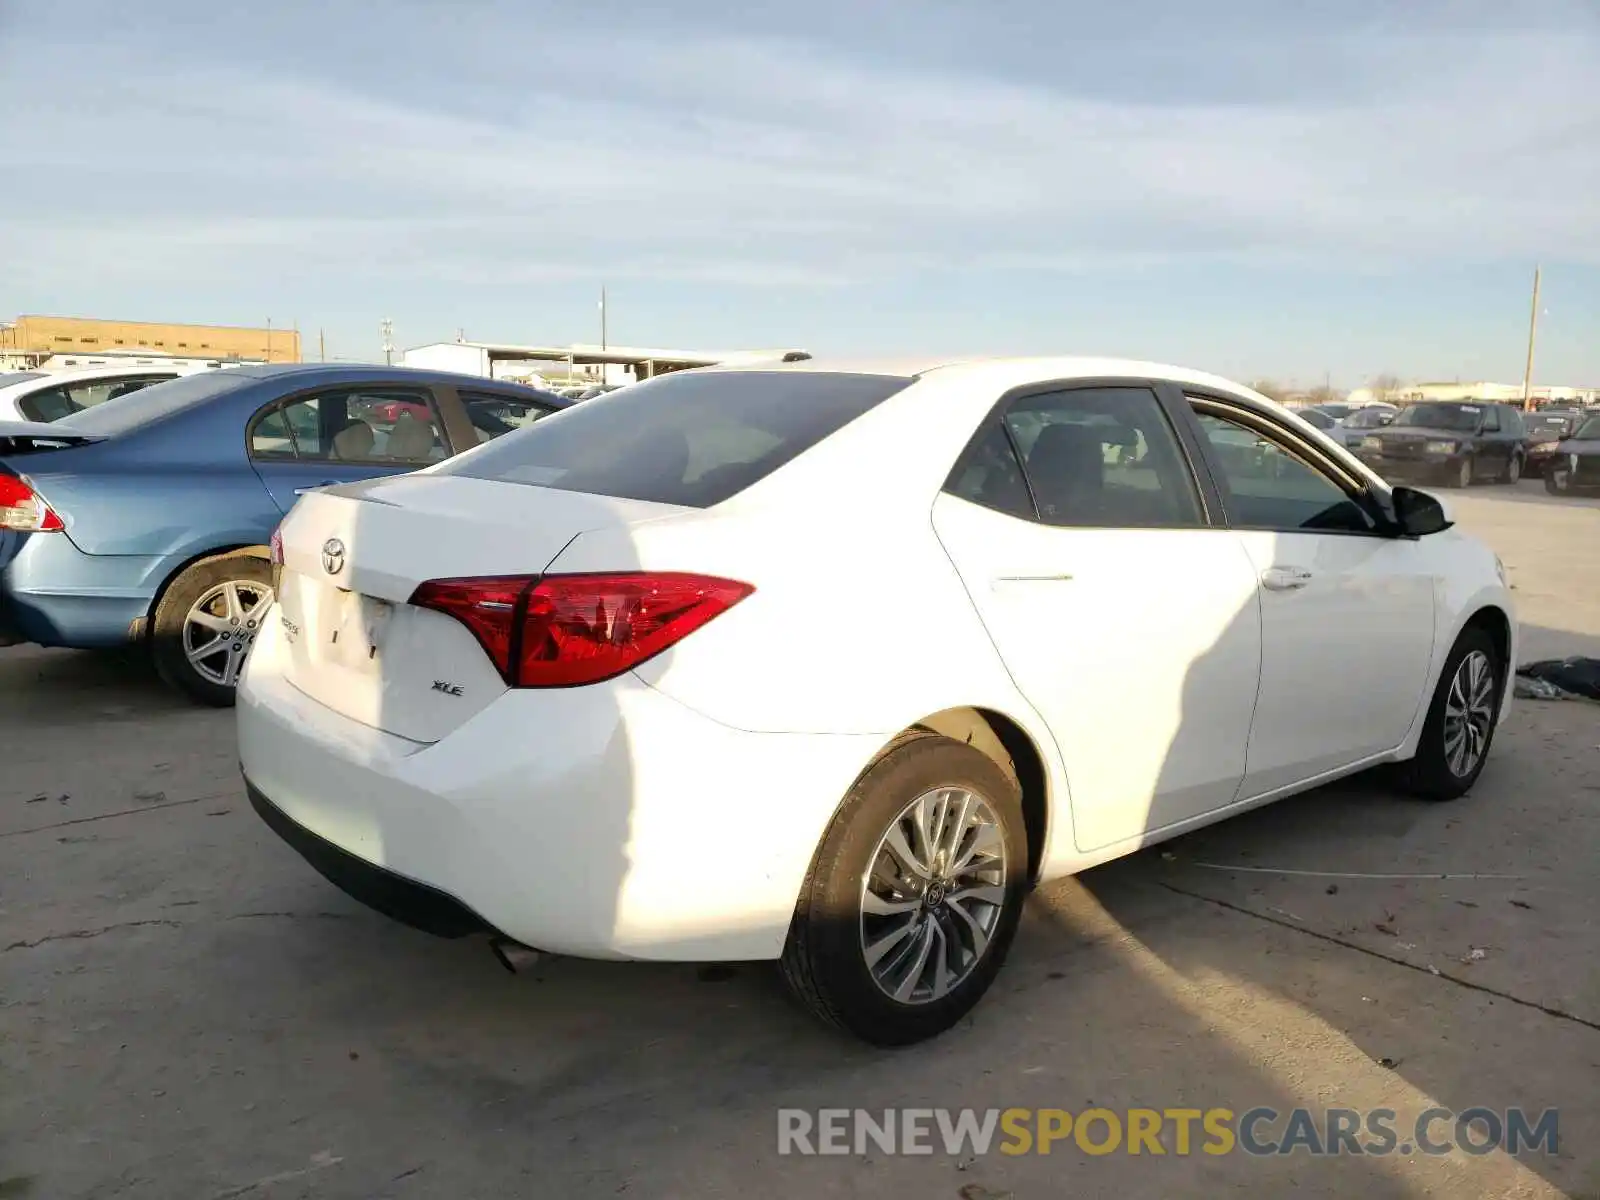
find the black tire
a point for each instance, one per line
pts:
(1513, 470)
(1429, 775)
(1465, 474)
(171, 619)
(1552, 484)
(824, 961)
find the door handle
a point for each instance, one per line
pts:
(1285, 579)
(1005, 581)
(313, 487)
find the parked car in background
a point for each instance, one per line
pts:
(1545, 431)
(1350, 430)
(1575, 465)
(1316, 417)
(1451, 443)
(843, 636)
(147, 519)
(52, 395)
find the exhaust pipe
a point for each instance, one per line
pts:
(514, 956)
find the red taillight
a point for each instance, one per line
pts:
(23, 509)
(567, 630)
(275, 547)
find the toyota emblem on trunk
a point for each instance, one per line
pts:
(333, 556)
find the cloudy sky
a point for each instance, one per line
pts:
(1234, 185)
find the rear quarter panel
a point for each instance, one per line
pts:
(172, 490)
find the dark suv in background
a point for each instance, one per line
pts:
(1454, 443)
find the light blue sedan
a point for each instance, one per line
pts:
(147, 519)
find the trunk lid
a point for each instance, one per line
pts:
(353, 556)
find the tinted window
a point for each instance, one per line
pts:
(154, 403)
(1317, 418)
(1103, 458)
(1491, 421)
(1336, 411)
(494, 414)
(89, 392)
(988, 473)
(47, 404)
(1589, 430)
(1270, 488)
(1369, 418)
(1513, 423)
(693, 438)
(367, 425)
(1460, 417)
(1559, 426)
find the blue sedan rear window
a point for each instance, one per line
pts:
(153, 403)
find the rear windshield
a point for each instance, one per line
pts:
(154, 402)
(11, 377)
(692, 439)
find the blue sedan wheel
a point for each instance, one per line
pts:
(207, 622)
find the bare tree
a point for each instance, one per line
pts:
(1324, 394)
(1384, 387)
(1271, 390)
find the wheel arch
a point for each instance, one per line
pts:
(1495, 621)
(242, 550)
(1010, 747)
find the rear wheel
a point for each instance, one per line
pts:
(1461, 720)
(914, 896)
(206, 624)
(1555, 481)
(1514, 469)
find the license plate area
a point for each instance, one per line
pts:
(334, 627)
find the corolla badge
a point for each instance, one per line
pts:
(333, 556)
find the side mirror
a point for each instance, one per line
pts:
(1418, 514)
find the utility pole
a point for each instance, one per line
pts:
(322, 347)
(269, 339)
(1533, 330)
(602, 316)
(388, 341)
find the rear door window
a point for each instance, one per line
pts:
(47, 404)
(1103, 458)
(366, 425)
(90, 392)
(692, 438)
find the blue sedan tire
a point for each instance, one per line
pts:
(207, 622)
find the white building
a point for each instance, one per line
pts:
(602, 364)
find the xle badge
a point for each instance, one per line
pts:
(449, 689)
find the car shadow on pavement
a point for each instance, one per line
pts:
(82, 685)
(1371, 950)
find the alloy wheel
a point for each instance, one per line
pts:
(221, 628)
(932, 895)
(1469, 714)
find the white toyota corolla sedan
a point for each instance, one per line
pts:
(830, 664)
